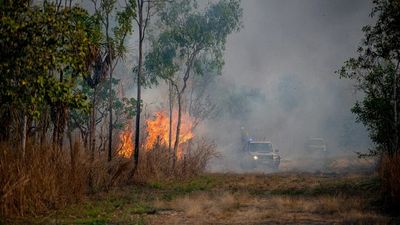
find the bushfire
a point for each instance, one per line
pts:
(157, 131)
(126, 143)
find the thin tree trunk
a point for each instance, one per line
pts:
(396, 123)
(44, 126)
(110, 70)
(171, 105)
(110, 127)
(179, 97)
(92, 131)
(92, 136)
(178, 129)
(139, 80)
(23, 136)
(395, 112)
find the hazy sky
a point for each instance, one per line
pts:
(306, 38)
(301, 43)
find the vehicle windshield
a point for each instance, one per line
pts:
(260, 147)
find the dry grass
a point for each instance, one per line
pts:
(41, 180)
(243, 208)
(286, 198)
(158, 164)
(47, 179)
(225, 199)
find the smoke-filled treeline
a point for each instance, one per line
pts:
(280, 72)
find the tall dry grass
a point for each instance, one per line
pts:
(43, 179)
(390, 175)
(158, 163)
(47, 179)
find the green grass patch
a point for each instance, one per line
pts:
(171, 189)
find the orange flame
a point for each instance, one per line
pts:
(126, 144)
(158, 131)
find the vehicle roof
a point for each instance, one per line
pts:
(260, 142)
(319, 139)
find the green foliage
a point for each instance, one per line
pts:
(44, 51)
(130, 107)
(106, 12)
(125, 106)
(376, 70)
(192, 39)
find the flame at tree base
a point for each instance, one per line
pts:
(157, 130)
(126, 143)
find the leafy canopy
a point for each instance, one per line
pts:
(192, 38)
(376, 70)
(44, 50)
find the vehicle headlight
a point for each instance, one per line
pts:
(255, 157)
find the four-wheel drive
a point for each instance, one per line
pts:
(261, 154)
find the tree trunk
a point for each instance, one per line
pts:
(139, 80)
(171, 106)
(23, 136)
(110, 126)
(396, 140)
(44, 127)
(92, 136)
(179, 96)
(92, 130)
(110, 71)
(178, 129)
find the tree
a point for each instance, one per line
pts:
(45, 50)
(114, 48)
(376, 71)
(145, 10)
(192, 42)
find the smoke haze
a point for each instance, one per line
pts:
(284, 58)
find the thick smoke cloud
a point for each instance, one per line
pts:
(289, 50)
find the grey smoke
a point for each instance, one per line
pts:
(288, 51)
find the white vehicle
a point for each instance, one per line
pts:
(261, 154)
(315, 145)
